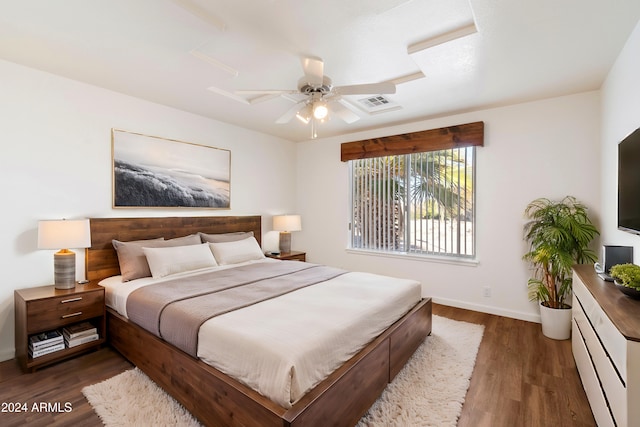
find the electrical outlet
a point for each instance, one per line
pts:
(486, 292)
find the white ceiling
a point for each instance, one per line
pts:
(154, 49)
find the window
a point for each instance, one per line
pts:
(419, 203)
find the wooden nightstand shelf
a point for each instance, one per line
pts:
(46, 308)
(291, 256)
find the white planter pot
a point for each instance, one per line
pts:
(556, 322)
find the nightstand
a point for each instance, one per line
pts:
(291, 256)
(46, 308)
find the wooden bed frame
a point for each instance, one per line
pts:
(219, 400)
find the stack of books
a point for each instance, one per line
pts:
(79, 333)
(45, 343)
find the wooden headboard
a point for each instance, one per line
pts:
(101, 260)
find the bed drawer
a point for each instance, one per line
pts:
(64, 310)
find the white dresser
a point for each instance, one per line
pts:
(606, 347)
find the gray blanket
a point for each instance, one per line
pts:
(175, 309)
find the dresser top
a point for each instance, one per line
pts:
(623, 311)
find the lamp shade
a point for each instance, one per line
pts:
(64, 234)
(287, 223)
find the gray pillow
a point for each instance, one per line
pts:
(133, 263)
(225, 237)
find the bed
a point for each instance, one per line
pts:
(216, 398)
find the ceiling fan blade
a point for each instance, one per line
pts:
(263, 98)
(367, 89)
(313, 70)
(340, 110)
(290, 114)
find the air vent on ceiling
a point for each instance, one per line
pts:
(377, 104)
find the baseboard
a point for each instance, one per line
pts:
(7, 355)
(488, 309)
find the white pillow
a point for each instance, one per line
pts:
(176, 259)
(239, 251)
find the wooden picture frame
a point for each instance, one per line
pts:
(154, 172)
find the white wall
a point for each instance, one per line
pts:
(548, 148)
(55, 162)
(620, 117)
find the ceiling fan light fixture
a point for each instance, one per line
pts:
(302, 118)
(320, 110)
(304, 115)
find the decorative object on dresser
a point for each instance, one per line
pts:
(289, 256)
(47, 310)
(559, 234)
(610, 256)
(149, 171)
(64, 234)
(606, 347)
(627, 279)
(285, 224)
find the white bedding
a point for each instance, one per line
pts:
(283, 347)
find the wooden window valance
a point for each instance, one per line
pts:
(465, 135)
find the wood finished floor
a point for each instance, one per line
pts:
(521, 378)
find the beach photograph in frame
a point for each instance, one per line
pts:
(154, 172)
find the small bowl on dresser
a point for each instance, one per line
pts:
(631, 292)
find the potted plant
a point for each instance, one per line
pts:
(627, 279)
(559, 234)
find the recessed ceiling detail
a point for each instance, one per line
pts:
(228, 95)
(448, 36)
(202, 13)
(212, 61)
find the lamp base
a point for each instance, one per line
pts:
(285, 242)
(64, 269)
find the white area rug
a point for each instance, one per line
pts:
(429, 391)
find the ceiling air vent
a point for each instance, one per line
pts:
(377, 104)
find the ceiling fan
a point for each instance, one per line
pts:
(320, 96)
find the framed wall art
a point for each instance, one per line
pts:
(150, 171)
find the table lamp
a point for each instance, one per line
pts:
(285, 224)
(64, 234)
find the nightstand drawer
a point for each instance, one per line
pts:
(62, 310)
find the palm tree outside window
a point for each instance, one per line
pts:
(419, 203)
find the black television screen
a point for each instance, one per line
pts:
(629, 183)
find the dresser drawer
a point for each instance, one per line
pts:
(590, 379)
(612, 339)
(62, 310)
(606, 347)
(612, 385)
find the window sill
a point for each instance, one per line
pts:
(468, 262)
